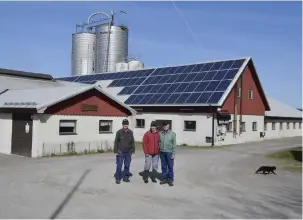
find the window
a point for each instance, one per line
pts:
(265, 126)
(105, 126)
(254, 126)
(242, 126)
(67, 127)
(140, 123)
(300, 125)
(250, 94)
(239, 92)
(189, 125)
(287, 125)
(159, 124)
(281, 125)
(294, 125)
(229, 127)
(273, 126)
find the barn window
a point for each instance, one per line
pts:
(250, 94)
(67, 127)
(254, 126)
(239, 92)
(242, 126)
(229, 127)
(273, 126)
(281, 126)
(140, 123)
(105, 126)
(189, 126)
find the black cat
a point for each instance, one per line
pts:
(266, 170)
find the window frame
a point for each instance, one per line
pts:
(140, 119)
(265, 126)
(250, 94)
(68, 121)
(187, 129)
(254, 128)
(273, 126)
(106, 121)
(239, 92)
(229, 126)
(241, 126)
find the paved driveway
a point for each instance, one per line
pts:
(217, 183)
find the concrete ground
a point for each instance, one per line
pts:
(216, 183)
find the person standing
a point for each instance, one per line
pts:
(151, 152)
(124, 148)
(167, 144)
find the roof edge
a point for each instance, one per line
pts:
(234, 81)
(283, 117)
(259, 85)
(42, 108)
(133, 111)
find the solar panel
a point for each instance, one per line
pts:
(192, 84)
(203, 83)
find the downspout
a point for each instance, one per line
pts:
(213, 129)
(241, 97)
(235, 111)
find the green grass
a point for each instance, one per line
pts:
(290, 159)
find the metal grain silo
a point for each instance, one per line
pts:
(110, 48)
(83, 53)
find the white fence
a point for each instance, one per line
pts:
(49, 149)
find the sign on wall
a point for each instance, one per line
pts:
(89, 108)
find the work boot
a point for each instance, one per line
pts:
(170, 184)
(163, 181)
(126, 179)
(117, 181)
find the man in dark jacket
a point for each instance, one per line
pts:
(124, 148)
(151, 151)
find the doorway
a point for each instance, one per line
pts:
(22, 133)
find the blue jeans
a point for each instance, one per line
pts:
(167, 165)
(120, 159)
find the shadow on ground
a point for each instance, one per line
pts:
(69, 196)
(151, 175)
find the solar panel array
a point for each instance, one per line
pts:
(203, 83)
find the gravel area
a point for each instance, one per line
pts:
(215, 183)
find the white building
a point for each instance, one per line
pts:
(67, 113)
(40, 117)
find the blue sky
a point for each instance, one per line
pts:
(36, 36)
